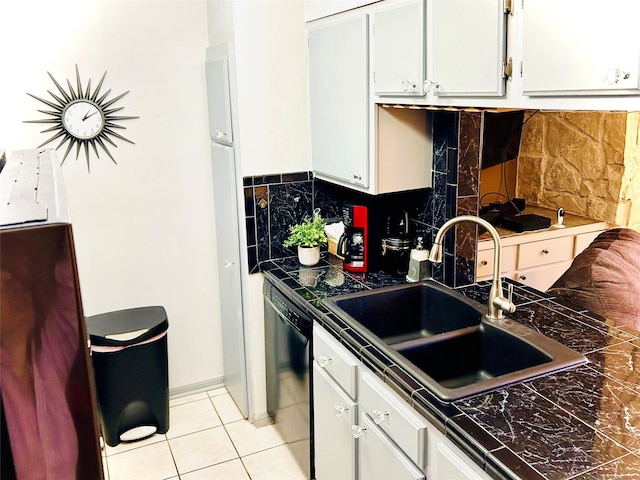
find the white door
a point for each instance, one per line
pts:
(339, 99)
(379, 458)
(466, 60)
(577, 47)
(227, 241)
(398, 44)
(334, 413)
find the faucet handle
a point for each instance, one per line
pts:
(504, 304)
(510, 292)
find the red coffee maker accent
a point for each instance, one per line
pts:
(353, 245)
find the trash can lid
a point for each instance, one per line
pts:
(127, 327)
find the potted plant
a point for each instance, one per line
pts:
(308, 236)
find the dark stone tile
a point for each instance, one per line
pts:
(250, 224)
(559, 327)
(439, 156)
(469, 153)
(449, 269)
(261, 197)
(452, 166)
(289, 204)
(267, 179)
(295, 177)
(247, 181)
(627, 467)
(249, 202)
(540, 433)
(619, 361)
(503, 463)
(597, 400)
(465, 271)
(452, 204)
(252, 259)
(445, 127)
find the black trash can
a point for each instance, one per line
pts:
(129, 357)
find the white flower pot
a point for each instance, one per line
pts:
(308, 255)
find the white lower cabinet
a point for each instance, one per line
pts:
(366, 431)
(334, 414)
(378, 457)
(448, 463)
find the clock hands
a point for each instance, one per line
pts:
(87, 115)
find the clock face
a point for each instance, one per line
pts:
(83, 119)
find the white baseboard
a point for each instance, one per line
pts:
(193, 388)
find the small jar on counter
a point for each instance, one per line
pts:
(395, 255)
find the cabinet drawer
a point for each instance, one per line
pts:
(545, 252)
(334, 359)
(485, 261)
(584, 240)
(393, 416)
(542, 278)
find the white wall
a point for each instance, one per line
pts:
(144, 229)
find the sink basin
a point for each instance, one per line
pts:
(444, 339)
(407, 312)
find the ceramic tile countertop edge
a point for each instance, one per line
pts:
(493, 455)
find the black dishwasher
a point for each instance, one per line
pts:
(288, 356)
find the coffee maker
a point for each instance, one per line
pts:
(353, 244)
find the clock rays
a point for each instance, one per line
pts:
(65, 103)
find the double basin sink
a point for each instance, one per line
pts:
(445, 340)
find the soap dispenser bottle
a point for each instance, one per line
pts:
(418, 263)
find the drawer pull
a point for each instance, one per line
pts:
(484, 263)
(523, 277)
(545, 251)
(357, 431)
(378, 416)
(323, 361)
(340, 410)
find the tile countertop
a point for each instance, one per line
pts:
(580, 423)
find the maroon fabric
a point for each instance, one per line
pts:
(605, 278)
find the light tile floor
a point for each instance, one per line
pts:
(207, 440)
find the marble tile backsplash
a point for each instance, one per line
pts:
(274, 202)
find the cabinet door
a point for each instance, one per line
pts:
(339, 95)
(573, 47)
(466, 44)
(219, 102)
(379, 458)
(446, 463)
(398, 44)
(333, 413)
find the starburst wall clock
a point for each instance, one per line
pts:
(83, 118)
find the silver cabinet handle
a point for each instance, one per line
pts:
(408, 86)
(340, 410)
(379, 416)
(228, 264)
(220, 134)
(429, 85)
(357, 431)
(614, 75)
(323, 361)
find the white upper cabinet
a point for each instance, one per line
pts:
(219, 103)
(466, 47)
(573, 47)
(398, 49)
(339, 98)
